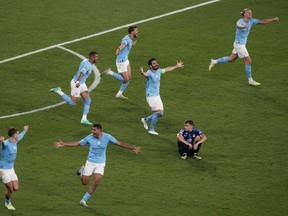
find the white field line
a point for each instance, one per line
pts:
(95, 70)
(92, 87)
(110, 30)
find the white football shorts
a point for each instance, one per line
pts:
(155, 103)
(91, 168)
(8, 175)
(75, 92)
(240, 50)
(122, 66)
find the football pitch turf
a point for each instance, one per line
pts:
(244, 163)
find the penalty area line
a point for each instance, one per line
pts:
(92, 87)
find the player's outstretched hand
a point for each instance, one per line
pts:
(179, 64)
(136, 149)
(58, 144)
(276, 19)
(26, 127)
(134, 42)
(2, 139)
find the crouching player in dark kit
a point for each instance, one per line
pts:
(189, 140)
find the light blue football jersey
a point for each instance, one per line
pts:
(123, 55)
(153, 82)
(85, 68)
(242, 34)
(97, 147)
(9, 152)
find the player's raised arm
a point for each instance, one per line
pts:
(266, 21)
(179, 64)
(2, 139)
(21, 135)
(143, 72)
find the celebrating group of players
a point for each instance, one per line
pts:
(189, 139)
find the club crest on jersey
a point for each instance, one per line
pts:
(98, 142)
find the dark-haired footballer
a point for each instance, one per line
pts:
(78, 86)
(8, 156)
(124, 74)
(189, 140)
(95, 164)
(153, 77)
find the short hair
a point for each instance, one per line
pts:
(98, 126)
(190, 122)
(12, 131)
(131, 29)
(92, 53)
(150, 61)
(243, 11)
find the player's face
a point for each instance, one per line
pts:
(154, 65)
(135, 33)
(248, 14)
(96, 132)
(188, 127)
(16, 135)
(95, 58)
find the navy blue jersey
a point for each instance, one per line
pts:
(190, 136)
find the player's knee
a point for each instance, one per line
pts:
(126, 80)
(232, 60)
(197, 138)
(87, 101)
(16, 188)
(85, 182)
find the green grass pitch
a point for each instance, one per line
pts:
(244, 163)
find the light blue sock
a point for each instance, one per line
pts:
(86, 196)
(118, 77)
(248, 70)
(223, 59)
(124, 86)
(154, 119)
(68, 100)
(86, 108)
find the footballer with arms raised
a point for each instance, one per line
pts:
(95, 164)
(243, 27)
